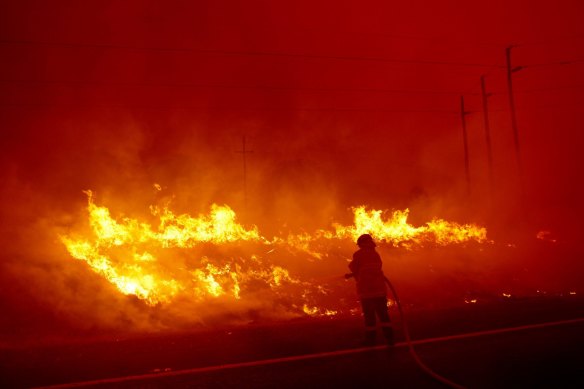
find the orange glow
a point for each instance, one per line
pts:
(397, 231)
(156, 264)
(315, 311)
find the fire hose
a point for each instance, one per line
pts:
(413, 352)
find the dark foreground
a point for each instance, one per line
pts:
(550, 356)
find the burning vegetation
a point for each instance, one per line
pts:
(212, 258)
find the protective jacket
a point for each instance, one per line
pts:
(366, 267)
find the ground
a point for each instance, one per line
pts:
(549, 356)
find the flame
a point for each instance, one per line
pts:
(158, 264)
(186, 231)
(139, 274)
(309, 310)
(316, 311)
(130, 279)
(397, 231)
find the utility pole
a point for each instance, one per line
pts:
(487, 132)
(244, 153)
(465, 140)
(510, 71)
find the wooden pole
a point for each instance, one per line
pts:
(465, 141)
(510, 71)
(487, 133)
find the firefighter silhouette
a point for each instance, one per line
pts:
(366, 268)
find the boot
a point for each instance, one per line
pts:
(388, 334)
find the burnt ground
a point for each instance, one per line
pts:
(540, 357)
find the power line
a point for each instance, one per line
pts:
(441, 40)
(532, 107)
(559, 63)
(242, 53)
(490, 70)
(562, 87)
(536, 90)
(232, 86)
(202, 108)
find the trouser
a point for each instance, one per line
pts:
(376, 307)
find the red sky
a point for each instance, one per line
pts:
(342, 102)
(363, 95)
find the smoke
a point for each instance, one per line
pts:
(145, 117)
(297, 181)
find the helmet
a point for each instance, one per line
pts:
(365, 240)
